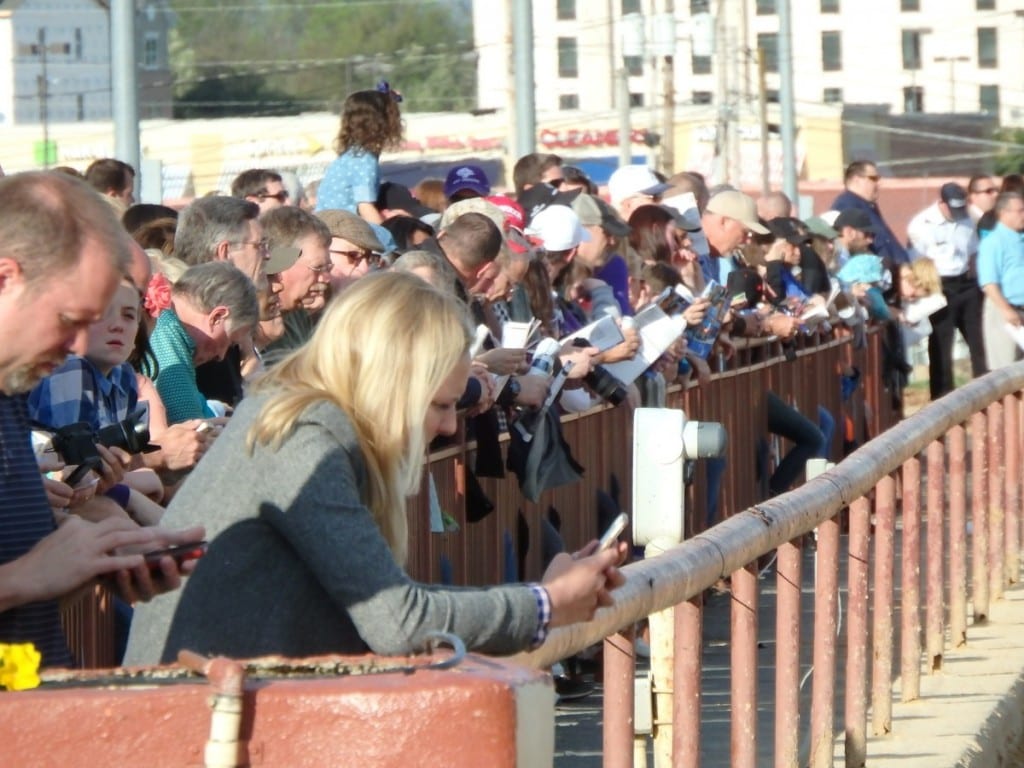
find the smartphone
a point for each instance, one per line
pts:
(181, 553)
(78, 473)
(614, 531)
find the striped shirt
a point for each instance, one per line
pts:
(25, 518)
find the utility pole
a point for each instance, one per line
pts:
(43, 88)
(762, 108)
(951, 60)
(526, 117)
(668, 108)
(625, 129)
(124, 69)
(720, 172)
(787, 111)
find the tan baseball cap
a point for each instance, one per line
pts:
(738, 206)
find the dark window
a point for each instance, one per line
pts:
(830, 6)
(630, 6)
(78, 43)
(769, 43)
(911, 49)
(988, 48)
(765, 7)
(634, 65)
(569, 101)
(702, 97)
(701, 65)
(985, 5)
(831, 51)
(566, 9)
(700, 6)
(771, 96)
(567, 57)
(636, 99)
(910, 5)
(79, 107)
(913, 99)
(832, 96)
(988, 99)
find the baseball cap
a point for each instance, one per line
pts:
(398, 197)
(472, 205)
(856, 218)
(471, 177)
(736, 205)
(953, 195)
(514, 215)
(818, 226)
(559, 228)
(594, 212)
(632, 180)
(789, 229)
(281, 257)
(348, 226)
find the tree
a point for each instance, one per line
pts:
(308, 55)
(1011, 158)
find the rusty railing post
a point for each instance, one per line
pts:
(1011, 502)
(856, 707)
(934, 600)
(957, 440)
(689, 633)
(996, 522)
(787, 655)
(743, 661)
(910, 583)
(881, 667)
(979, 520)
(619, 670)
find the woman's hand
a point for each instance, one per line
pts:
(579, 584)
(502, 361)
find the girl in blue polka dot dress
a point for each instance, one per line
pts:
(370, 123)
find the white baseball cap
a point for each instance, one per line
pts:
(632, 180)
(559, 228)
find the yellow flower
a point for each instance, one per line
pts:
(19, 666)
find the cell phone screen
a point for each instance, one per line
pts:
(181, 553)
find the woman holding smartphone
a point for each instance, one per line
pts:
(304, 501)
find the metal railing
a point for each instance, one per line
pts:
(965, 442)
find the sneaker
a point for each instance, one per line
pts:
(570, 689)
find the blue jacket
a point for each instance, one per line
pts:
(885, 245)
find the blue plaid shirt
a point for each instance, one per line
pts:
(77, 391)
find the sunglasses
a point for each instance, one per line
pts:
(279, 196)
(355, 257)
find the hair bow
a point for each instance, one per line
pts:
(384, 87)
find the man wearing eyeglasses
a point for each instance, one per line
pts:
(354, 249)
(862, 182)
(981, 196)
(260, 186)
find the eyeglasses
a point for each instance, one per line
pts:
(260, 245)
(354, 257)
(322, 269)
(986, 191)
(279, 196)
(871, 176)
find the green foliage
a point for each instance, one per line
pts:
(262, 57)
(1010, 159)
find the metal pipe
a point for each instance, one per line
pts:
(743, 668)
(522, 38)
(957, 441)
(224, 748)
(881, 667)
(686, 681)
(1011, 417)
(787, 655)
(619, 669)
(996, 522)
(124, 67)
(856, 708)
(979, 520)
(934, 599)
(826, 612)
(910, 583)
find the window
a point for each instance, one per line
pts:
(700, 6)
(701, 65)
(769, 43)
(771, 96)
(79, 107)
(765, 7)
(830, 6)
(985, 5)
(913, 99)
(566, 10)
(634, 65)
(988, 49)
(911, 49)
(831, 51)
(630, 6)
(702, 97)
(988, 99)
(150, 51)
(910, 5)
(78, 43)
(832, 96)
(636, 99)
(567, 57)
(569, 101)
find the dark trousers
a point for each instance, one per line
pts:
(961, 313)
(786, 421)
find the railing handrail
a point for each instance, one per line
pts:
(688, 568)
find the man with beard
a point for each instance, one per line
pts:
(62, 252)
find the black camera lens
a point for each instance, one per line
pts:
(605, 386)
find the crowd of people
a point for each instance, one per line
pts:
(266, 370)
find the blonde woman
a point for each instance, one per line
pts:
(304, 499)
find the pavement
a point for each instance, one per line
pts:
(971, 713)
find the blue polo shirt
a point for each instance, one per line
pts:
(1001, 262)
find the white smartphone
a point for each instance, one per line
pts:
(614, 531)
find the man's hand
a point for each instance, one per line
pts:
(532, 390)
(183, 445)
(502, 361)
(624, 350)
(111, 471)
(142, 582)
(582, 359)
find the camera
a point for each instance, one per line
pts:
(76, 443)
(601, 382)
